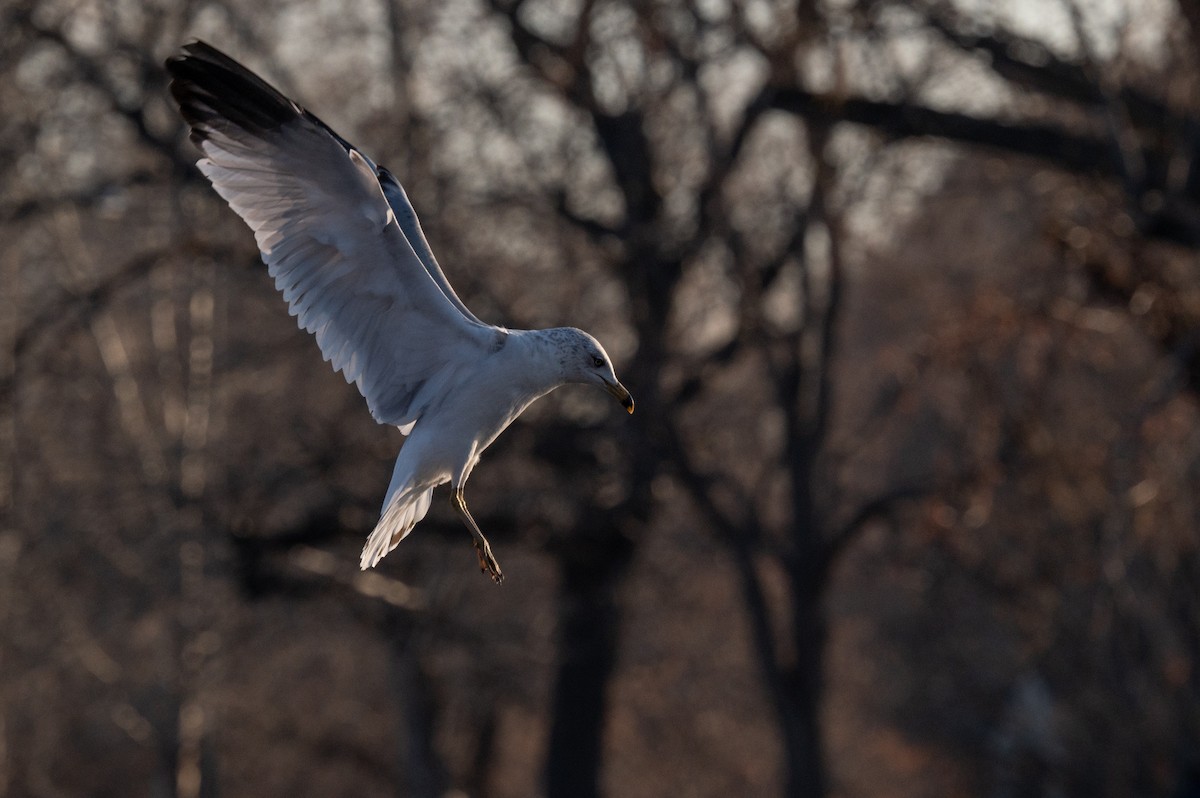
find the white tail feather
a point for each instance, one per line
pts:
(402, 513)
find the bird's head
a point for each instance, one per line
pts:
(584, 360)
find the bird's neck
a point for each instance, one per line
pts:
(543, 368)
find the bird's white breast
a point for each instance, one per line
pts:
(451, 434)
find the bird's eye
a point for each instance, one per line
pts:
(598, 362)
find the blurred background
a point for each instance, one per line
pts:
(907, 294)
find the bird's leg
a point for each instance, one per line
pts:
(487, 560)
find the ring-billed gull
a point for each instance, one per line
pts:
(345, 248)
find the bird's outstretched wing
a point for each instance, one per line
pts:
(338, 235)
(406, 217)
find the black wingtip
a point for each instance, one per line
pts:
(214, 92)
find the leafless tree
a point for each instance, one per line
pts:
(738, 197)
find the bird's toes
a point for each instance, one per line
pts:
(487, 562)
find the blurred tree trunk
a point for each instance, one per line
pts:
(594, 563)
(421, 774)
(589, 622)
(806, 755)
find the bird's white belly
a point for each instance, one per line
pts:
(446, 443)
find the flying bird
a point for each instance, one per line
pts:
(344, 246)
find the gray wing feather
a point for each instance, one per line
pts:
(406, 217)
